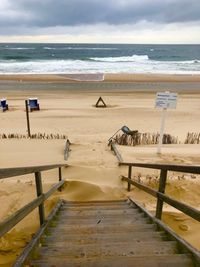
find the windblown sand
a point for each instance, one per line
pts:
(93, 172)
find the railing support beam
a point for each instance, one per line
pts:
(162, 184)
(60, 177)
(39, 189)
(129, 176)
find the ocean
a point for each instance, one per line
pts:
(18, 58)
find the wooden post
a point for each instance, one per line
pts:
(162, 184)
(38, 181)
(27, 118)
(60, 173)
(129, 176)
(60, 176)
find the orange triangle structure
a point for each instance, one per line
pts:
(102, 105)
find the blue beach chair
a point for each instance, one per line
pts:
(33, 104)
(3, 104)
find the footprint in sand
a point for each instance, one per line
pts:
(184, 227)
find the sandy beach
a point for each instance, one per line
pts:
(68, 107)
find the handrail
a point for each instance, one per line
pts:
(160, 194)
(10, 172)
(16, 217)
(195, 169)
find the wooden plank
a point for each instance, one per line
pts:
(190, 211)
(76, 238)
(16, 217)
(162, 184)
(27, 119)
(39, 190)
(183, 244)
(67, 150)
(36, 238)
(115, 220)
(118, 155)
(99, 228)
(109, 250)
(101, 212)
(129, 176)
(141, 186)
(10, 172)
(133, 261)
(177, 168)
(53, 189)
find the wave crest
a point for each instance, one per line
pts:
(133, 58)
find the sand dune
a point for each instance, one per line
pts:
(93, 172)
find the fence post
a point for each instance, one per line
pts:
(27, 119)
(129, 176)
(162, 184)
(60, 176)
(38, 181)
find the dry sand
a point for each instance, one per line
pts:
(93, 173)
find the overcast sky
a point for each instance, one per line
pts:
(105, 21)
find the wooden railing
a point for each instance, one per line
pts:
(160, 194)
(16, 217)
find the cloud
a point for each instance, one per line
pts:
(140, 21)
(50, 13)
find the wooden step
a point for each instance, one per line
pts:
(106, 234)
(100, 228)
(107, 250)
(133, 261)
(76, 238)
(89, 212)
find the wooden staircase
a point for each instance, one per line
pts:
(107, 233)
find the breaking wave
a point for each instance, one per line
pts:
(133, 58)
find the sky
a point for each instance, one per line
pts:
(100, 21)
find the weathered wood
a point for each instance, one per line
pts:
(183, 244)
(53, 189)
(134, 261)
(162, 184)
(75, 238)
(108, 250)
(36, 239)
(190, 211)
(141, 186)
(118, 155)
(67, 150)
(10, 172)
(99, 212)
(39, 190)
(129, 176)
(169, 167)
(100, 229)
(27, 119)
(16, 217)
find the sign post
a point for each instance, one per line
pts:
(164, 100)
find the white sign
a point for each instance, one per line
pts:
(166, 100)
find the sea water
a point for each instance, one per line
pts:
(98, 58)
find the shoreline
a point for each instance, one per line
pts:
(111, 77)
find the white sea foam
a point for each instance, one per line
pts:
(133, 58)
(19, 48)
(140, 64)
(79, 48)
